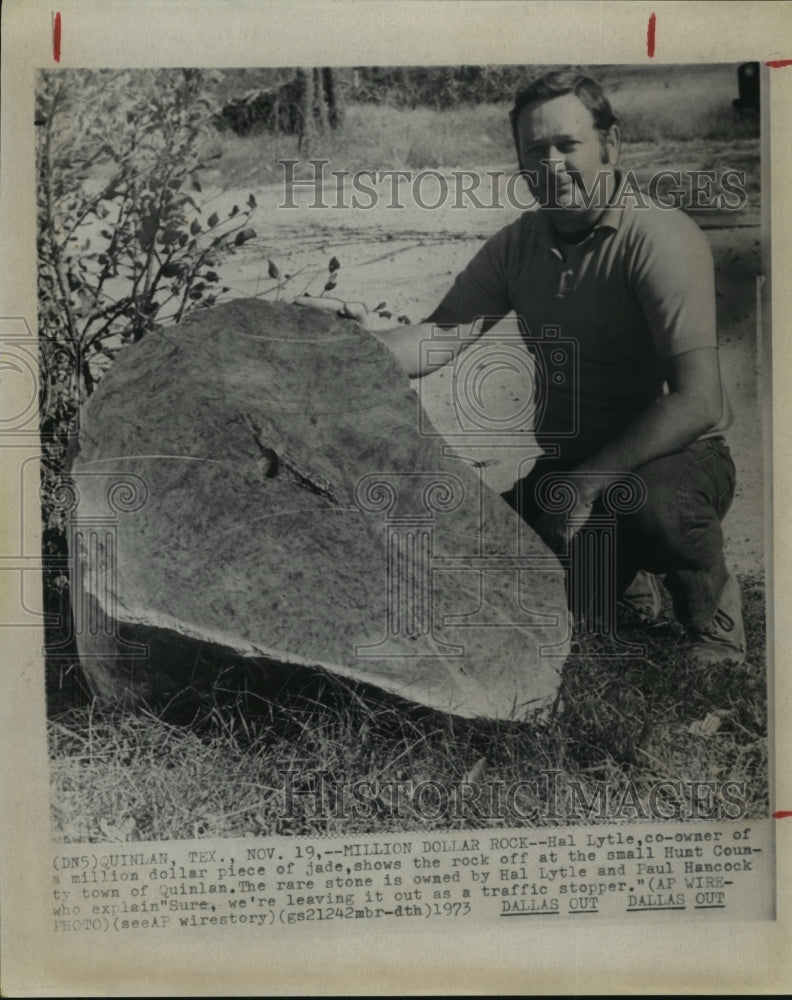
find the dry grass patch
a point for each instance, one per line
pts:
(621, 726)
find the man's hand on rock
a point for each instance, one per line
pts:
(347, 310)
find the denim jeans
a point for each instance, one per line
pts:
(676, 532)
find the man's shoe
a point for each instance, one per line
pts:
(723, 638)
(642, 599)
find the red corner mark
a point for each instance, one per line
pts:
(782, 814)
(56, 37)
(778, 63)
(650, 35)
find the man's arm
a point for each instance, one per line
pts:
(480, 290)
(693, 405)
(404, 341)
(673, 280)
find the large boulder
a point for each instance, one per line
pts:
(255, 482)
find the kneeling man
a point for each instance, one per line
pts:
(632, 284)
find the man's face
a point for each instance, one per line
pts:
(564, 152)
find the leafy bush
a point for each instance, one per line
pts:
(122, 244)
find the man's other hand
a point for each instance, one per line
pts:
(558, 530)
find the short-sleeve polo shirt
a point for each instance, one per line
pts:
(638, 290)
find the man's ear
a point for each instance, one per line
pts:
(610, 147)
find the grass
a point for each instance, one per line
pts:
(375, 137)
(676, 103)
(620, 726)
(663, 109)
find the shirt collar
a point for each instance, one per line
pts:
(612, 216)
(610, 219)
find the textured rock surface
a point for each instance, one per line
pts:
(255, 481)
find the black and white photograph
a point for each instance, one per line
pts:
(395, 492)
(328, 418)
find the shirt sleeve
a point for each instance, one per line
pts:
(481, 290)
(674, 282)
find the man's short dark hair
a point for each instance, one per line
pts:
(556, 83)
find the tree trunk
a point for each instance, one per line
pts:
(320, 101)
(335, 102)
(306, 126)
